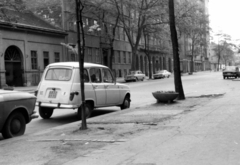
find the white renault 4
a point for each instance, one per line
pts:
(60, 88)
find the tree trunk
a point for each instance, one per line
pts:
(134, 57)
(111, 57)
(177, 73)
(192, 59)
(81, 61)
(150, 67)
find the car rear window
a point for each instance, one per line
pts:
(59, 74)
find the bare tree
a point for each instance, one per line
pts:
(134, 17)
(193, 23)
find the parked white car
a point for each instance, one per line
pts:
(135, 76)
(60, 88)
(162, 74)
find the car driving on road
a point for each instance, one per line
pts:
(60, 88)
(16, 110)
(231, 71)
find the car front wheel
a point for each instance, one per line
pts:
(45, 112)
(14, 126)
(126, 103)
(88, 111)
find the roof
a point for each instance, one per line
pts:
(75, 64)
(29, 19)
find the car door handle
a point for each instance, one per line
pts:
(95, 87)
(106, 86)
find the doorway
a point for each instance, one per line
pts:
(13, 66)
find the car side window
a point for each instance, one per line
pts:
(85, 75)
(95, 74)
(107, 76)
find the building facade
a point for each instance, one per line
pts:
(26, 48)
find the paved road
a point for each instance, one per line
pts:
(141, 95)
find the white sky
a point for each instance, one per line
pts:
(225, 17)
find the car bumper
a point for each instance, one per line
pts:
(56, 105)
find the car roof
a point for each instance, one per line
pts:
(76, 64)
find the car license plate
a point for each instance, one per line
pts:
(52, 94)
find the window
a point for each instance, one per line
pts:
(107, 76)
(117, 33)
(93, 55)
(57, 57)
(119, 57)
(70, 26)
(130, 58)
(125, 72)
(119, 73)
(72, 57)
(59, 74)
(124, 58)
(113, 58)
(45, 59)
(95, 74)
(85, 76)
(97, 56)
(89, 54)
(34, 59)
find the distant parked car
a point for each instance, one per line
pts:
(135, 76)
(231, 71)
(162, 74)
(16, 110)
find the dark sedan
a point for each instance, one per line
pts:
(16, 110)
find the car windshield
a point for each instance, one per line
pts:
(230, 68)
(161, 71)
(132, 72)
(59, 74)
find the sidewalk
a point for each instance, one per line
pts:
(203, 129)
(177, 133)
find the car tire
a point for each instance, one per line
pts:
(224, 77)
(143, 79)
(126, 103)
(14, 126)
(88, 111)
(45, 112)
(136, 79)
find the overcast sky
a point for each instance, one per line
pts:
(225, 16)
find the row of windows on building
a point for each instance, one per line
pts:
(34, 59)
(119, 31)
(93, 55)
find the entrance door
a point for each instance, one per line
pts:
(105, 57)
(13, 67)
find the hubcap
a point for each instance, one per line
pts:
(15, 126)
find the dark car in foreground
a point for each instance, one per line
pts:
(16, 110)
(231, 71)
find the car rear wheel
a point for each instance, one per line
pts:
(14, 126)
(136, 79)
(88, 111)
(126, 103)
(45, 112)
